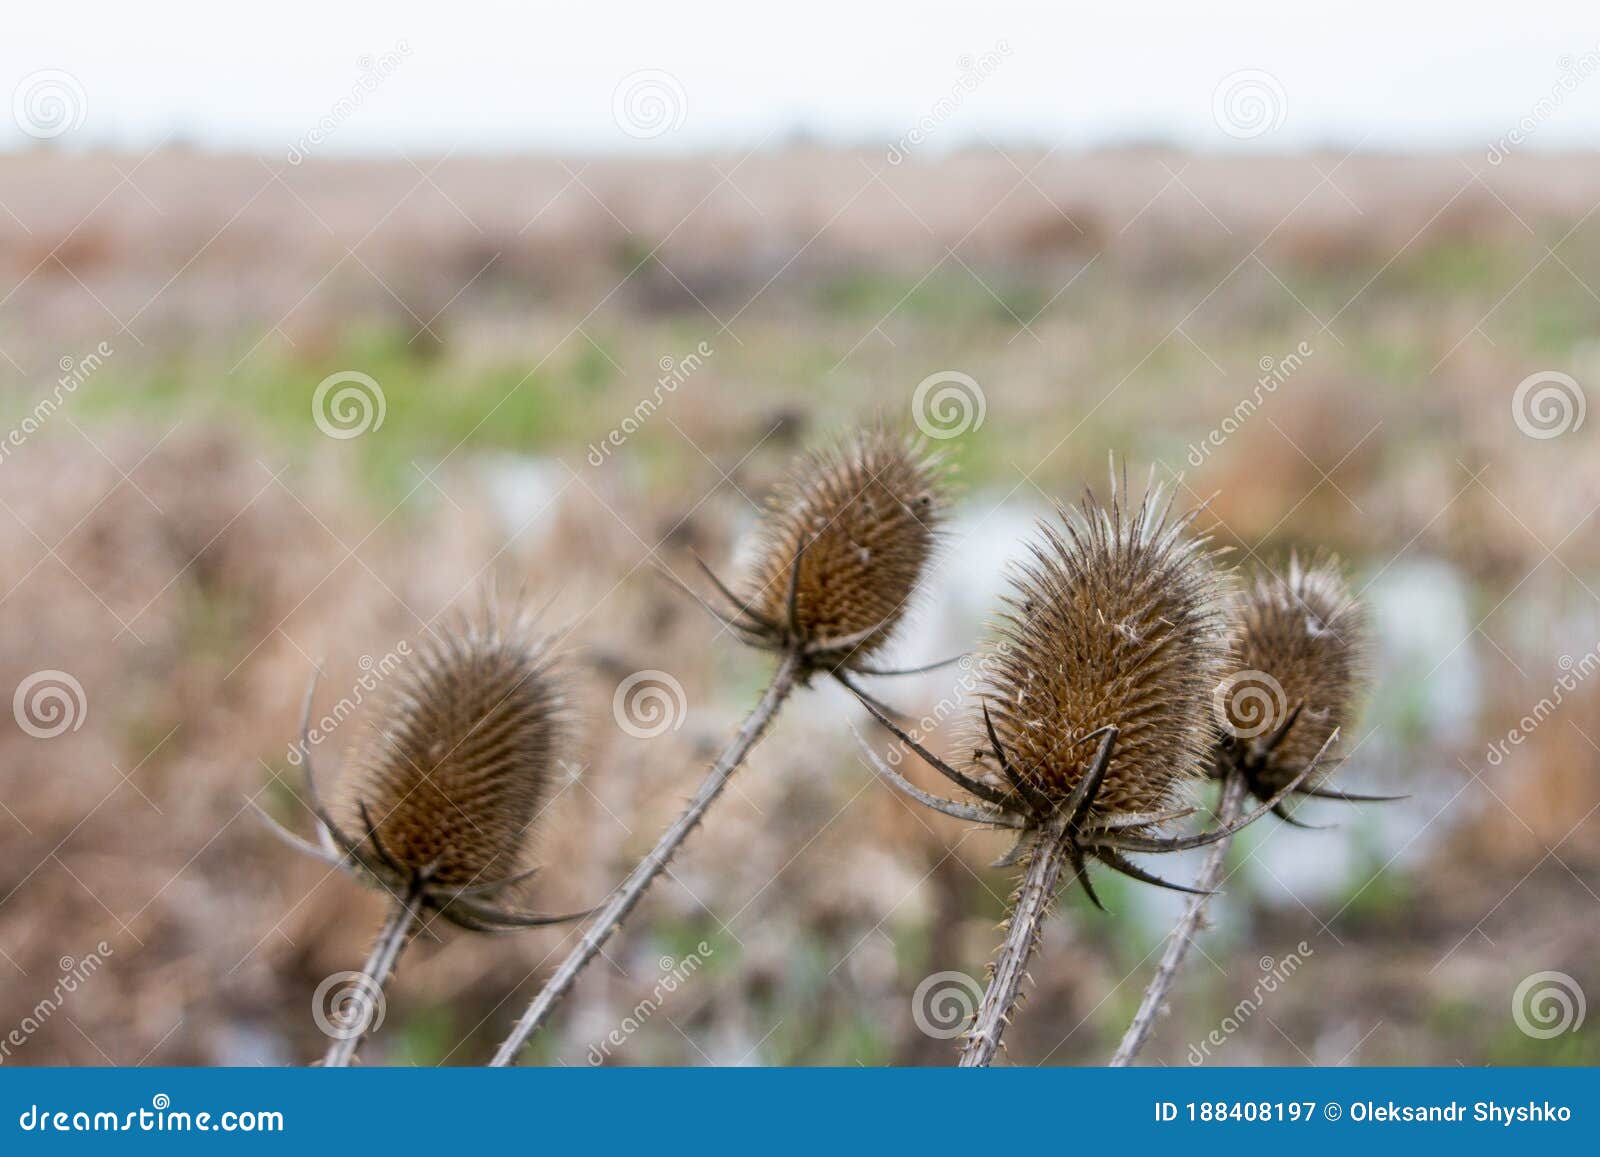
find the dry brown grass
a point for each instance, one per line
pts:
(242, 546)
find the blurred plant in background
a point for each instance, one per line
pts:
(181, 536)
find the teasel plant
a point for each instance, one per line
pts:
(841, 548)
(1095, 714)
(1296, 671)
(439, 804)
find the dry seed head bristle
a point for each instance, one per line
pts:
(1306, 631)
(463, 754)
(1113, 620)
(865, 512)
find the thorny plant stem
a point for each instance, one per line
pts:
(392, 938)
(622, 901)
(1034, 896)
(1188, 927)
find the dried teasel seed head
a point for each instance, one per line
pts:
(1297, 639)
(1114, 620)
(462, 756)
(862, 518)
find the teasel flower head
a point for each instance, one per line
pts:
(1296, 671)
(1114, 620)
(443, 793)
(1097, 704)
(841, 548)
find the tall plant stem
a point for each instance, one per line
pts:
(1032, 904)
(392, 939)
(611, 916)
(1188, 927)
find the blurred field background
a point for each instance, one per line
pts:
(183, 540)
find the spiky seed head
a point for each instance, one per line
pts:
(462, 755)
(865, 512)
(1298, 637)
(1114, 619)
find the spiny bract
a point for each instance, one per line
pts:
(463, 755)
(1113, 621)
(865, 513)
(1297, 640)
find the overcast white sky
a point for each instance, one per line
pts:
(483, 76)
